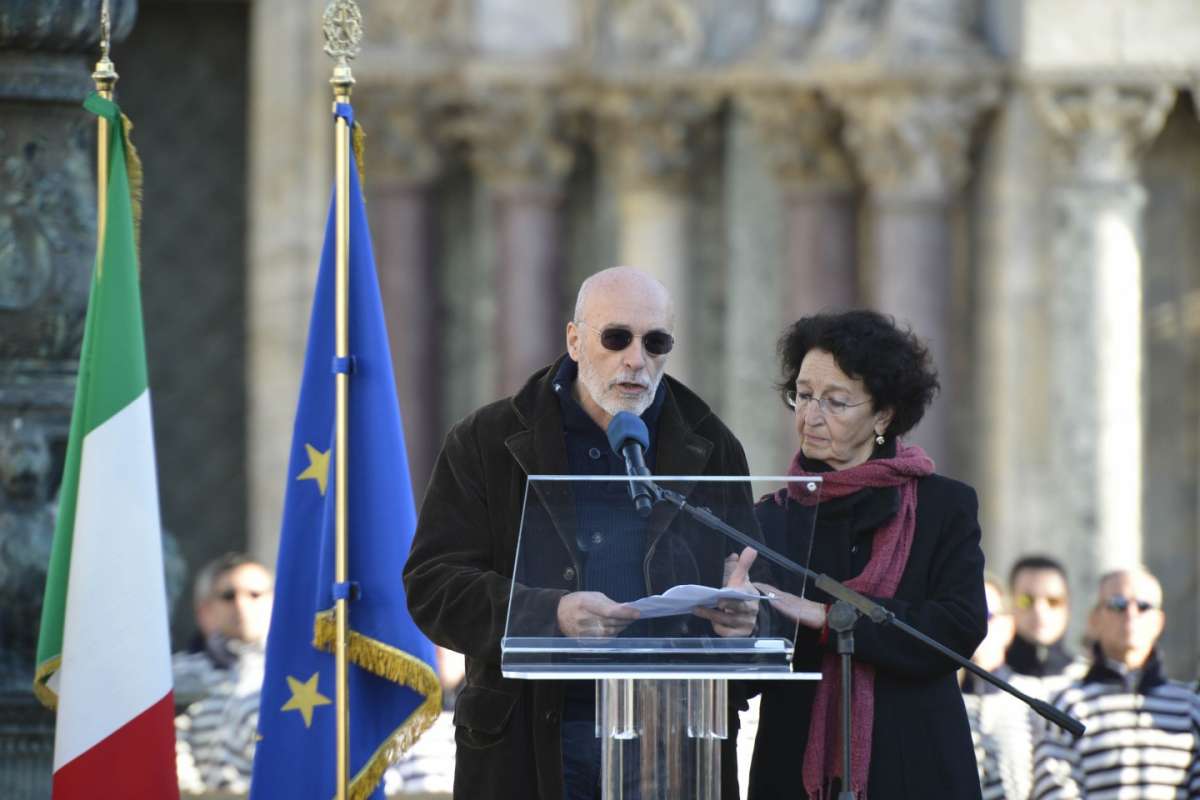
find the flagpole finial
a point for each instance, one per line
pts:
(343, 29)
(105, 74)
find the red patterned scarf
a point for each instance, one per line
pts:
(879, 579)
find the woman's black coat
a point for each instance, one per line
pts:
(921, 744)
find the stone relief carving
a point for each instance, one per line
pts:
(63, 26)
(849, 29)
(419, 25)
(46, 229)
(650, 131)
(801, 137)
(913, 141)
(900, 32)
(28, 513)
(525, 28)
(935, 29)
(667, 33)
(1102, 129)
(26, 533)
(790, 28)
(519, 135)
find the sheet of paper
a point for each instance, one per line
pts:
(683, 598)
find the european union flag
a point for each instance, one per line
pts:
(394, 690)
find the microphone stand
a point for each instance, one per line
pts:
(845, 613)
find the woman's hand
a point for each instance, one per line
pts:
(797, 609)
(734, 617)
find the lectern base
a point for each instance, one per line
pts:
(661, 739)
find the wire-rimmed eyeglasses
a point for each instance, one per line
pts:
(828, 405)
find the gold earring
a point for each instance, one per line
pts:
(879, 438)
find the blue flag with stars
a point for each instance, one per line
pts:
(394, 693)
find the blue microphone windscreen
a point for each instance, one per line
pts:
(624, 426)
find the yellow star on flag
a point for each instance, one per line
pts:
(305, 698)
(318, 467)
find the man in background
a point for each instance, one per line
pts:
(1142, 737)
(1001, 725)
(1041, 611)
(221, 681)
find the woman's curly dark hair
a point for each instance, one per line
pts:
(868, 346)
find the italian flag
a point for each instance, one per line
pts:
(103, 649)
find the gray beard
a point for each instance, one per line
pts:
(594, 385)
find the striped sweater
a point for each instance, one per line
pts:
(1142, 740)
(1002, 728)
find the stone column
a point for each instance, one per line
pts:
(520, 148)
(647, 135)
(911, 149)
(47, 250)
(1095, 331)
(290, 166)
(403, 160)
(800, 137)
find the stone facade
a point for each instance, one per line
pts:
(966, 166)
(1020, 190)
(974, 168)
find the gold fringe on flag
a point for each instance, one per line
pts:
(399, 667)
(133, 167)
(358, 140)
(47, 696)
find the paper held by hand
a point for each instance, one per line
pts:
(683, 598)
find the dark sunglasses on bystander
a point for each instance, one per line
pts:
(1120, 604)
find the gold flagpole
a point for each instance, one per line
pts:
(342, 25)
(105, 76)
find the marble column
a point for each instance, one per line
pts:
(290, 167)
(1095, 331)
(911, 144)
(800, 137)
(646, 135)
(1018, 509)
(520, 148)
(403, 161)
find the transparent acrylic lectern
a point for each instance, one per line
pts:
(660, 682)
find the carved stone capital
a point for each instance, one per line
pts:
(800, 134)
(649, 132)
(913, 141)
(519, 136)
(404, 128)
(1103, 129)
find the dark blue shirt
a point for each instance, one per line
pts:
(610, 537)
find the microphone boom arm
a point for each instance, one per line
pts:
(862, 605)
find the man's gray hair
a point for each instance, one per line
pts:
(206, 578)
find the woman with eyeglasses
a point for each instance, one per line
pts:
(893, 529)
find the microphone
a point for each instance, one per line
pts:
(628, 437)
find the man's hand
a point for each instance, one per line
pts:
(583, 614)
(734, 617)
(797, 609)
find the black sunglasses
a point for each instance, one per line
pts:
(1120, 603)
(229, 595)
(657, 343)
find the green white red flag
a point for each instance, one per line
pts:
(103, 654)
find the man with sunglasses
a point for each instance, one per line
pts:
(536, 739)
(1143, 730)
(1041, 610)
(219, 682)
